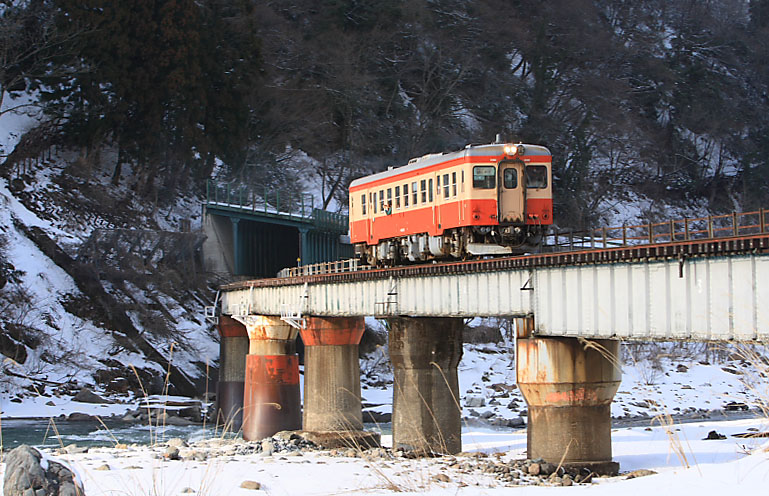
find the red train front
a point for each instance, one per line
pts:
(484, 200)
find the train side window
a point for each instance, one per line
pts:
(423, 185)
(406, 195)
(536, 176)
(373, 201)
(381, 201)
(463, 181)
(453, 184)
(430, 199)
(397, 197)
(446, 189)
(484, 177)
(363, 204)
(510, 178)
(414, 193)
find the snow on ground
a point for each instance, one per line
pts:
(705, 467)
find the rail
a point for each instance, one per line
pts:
(711, 227)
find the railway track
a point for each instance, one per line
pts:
(732, 234)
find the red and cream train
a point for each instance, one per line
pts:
(483, 200)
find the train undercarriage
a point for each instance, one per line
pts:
(459, 243)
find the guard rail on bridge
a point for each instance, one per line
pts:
(286, 205)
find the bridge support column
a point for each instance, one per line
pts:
(237, 256)
(425, 353)
(233, 348)
(569, 385)
(271, 400)
(332, 408)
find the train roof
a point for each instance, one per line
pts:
(431, 159)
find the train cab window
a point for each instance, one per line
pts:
(510, 178)
(453, 184)
(414, 193)
(363, 204)
(423, 185)
(536, 176)
(484, 177)
(430, 199)
(406, 195)
(397, 197)
(446, 186)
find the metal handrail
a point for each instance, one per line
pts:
(279, 202)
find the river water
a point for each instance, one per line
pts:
(47, 433)
(58, 433)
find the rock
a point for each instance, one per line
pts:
(249, 484)
(26, 473)
(714, 435)
(546, 468)
(487, 414)
(103, 467)
(639, 473)
(171, 420)
(79, 417)
(187, 490)
(177, 442)
(50, 403)
(475, 401)
(87, 396)
(534, 469)
(267, 448)
(441, 478)
(171, 453)
(74, 449)
(681, 368)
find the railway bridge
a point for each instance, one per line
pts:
(695, 279)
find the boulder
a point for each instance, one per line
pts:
(85, 395)
(28, 472)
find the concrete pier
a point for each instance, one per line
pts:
(332, 406)
(233, 348)
(271, 401)
(425, 353)
(569, 385)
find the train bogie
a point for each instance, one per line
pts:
(484, 200)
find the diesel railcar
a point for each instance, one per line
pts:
(489, 199)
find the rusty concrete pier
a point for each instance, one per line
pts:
(569, 385)
(233, 348)
(271, 400)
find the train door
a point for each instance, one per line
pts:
(511, 192)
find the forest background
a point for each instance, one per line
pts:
(651, 104)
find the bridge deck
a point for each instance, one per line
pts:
(701, 290)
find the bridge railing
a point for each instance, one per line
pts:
(268, 201)
(709, 227)
(330, 221)
(336, 267)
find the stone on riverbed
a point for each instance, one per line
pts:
(28, 472)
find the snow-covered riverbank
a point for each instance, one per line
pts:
(488, 466)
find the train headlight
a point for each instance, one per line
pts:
(513, 150)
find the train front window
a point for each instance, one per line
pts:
(536, 176)
(510, 178)
(484, 177)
